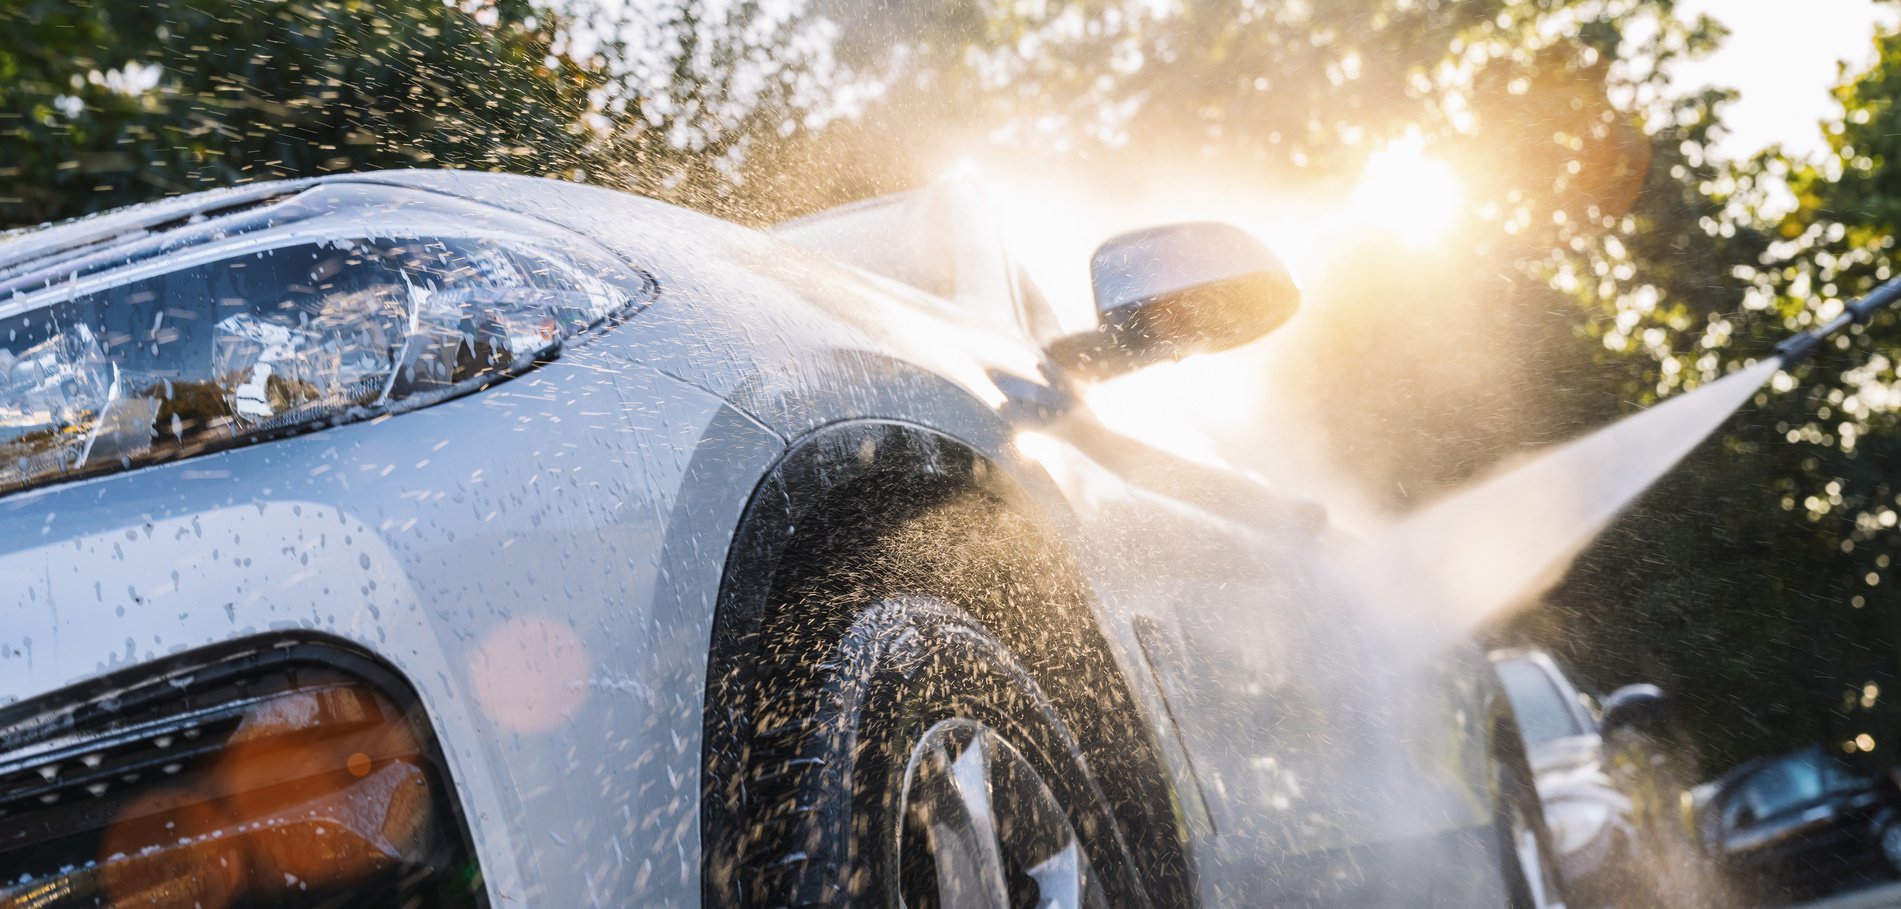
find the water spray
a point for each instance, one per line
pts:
(1497, 544)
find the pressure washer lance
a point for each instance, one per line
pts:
(1798, 347)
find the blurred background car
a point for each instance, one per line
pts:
(1605, 792)
(1803, 823)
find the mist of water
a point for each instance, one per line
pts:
(1500, 542)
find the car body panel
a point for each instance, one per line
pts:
(563, 535)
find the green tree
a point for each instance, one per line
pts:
(104, 104)
(699, 95)
(1791, 613)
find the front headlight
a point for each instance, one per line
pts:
(340, 302)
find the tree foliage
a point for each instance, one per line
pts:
(106, 104)
(1785, 631)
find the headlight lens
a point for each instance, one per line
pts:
(342, 302)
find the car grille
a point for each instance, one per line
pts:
(292, 773)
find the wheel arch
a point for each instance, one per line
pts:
(832, 497)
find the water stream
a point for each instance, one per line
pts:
(1503, 540)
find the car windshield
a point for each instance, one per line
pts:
(1786, 784)
(1541, 709)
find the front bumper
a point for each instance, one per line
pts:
(529, 559)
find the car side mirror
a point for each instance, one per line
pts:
(1642, 708)
(1166, 292)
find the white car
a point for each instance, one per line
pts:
(437, 538)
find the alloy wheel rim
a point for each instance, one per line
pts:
(981, 829)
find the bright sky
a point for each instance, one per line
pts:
(1781, 55)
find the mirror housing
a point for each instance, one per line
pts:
(1166, 292)
(1641, 708)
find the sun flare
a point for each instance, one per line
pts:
(1408, 193)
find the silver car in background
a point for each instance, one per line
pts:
(445, 539)
(1610, 825)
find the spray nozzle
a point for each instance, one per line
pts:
(1798, 347)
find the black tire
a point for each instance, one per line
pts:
(839, 715)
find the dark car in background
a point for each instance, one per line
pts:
(1803, 823)
(1604, 816)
